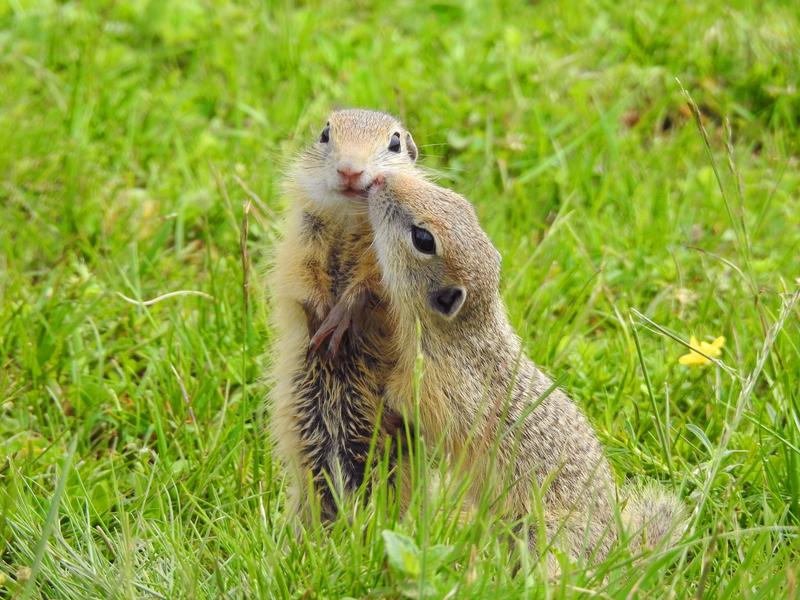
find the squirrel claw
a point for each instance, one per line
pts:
(341, 318)
(332, 329)
(337, 335)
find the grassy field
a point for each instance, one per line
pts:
(134, 462)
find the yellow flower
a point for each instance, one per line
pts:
(714, 349)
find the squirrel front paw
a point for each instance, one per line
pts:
(332, 330)
(342, 317)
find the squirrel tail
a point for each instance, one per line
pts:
(653, 517)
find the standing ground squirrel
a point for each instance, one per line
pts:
(324, 281)
(479, 394)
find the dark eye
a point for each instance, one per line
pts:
(394, 143)
(326, 134)
(423, 240)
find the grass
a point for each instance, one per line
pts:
(134, 461)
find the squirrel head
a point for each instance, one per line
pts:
(435, 259)
(351, 148)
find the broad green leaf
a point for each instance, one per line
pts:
(402, 552)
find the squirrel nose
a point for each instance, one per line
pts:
(349, 176)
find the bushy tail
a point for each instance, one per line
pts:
(653, 517)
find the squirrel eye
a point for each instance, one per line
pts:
(326, 134)
(394, 143)
(423, 240)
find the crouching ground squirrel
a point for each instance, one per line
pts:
(325, 288)
(479, 395)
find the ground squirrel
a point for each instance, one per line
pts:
(479, 394)
(323, 274)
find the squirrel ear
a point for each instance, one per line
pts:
(411, 147)
(448, 300)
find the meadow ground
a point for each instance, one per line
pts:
(133, 460)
